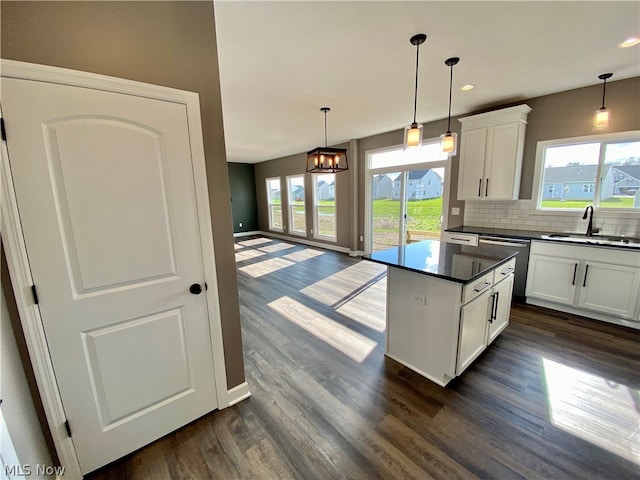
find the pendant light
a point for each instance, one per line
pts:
(413, 132)
(326, 159)
(449, 141)
(601, 118)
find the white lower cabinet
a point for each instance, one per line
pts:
(437, 327)
(482, 320)
(601, 280)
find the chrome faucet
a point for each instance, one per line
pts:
(590, 229)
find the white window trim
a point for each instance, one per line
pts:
(290, 207)
(632, 135)
(316, 230)
(271, 227)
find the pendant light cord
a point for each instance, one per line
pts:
(415, 91)
(325, 129)
(450, 85)
(604, 90)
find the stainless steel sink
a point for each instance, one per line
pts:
(594, 240)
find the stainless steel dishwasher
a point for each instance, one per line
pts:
(509, 246)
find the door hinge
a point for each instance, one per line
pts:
(67, 428)
(35, 294)
(3, 130)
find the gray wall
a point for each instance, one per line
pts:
(242, 181)
(169, 43)
(570, 114)
(561, 115)
(296, 165)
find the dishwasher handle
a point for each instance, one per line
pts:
(507, 243)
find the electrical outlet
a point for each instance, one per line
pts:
(455, 211)
(418, 298)
(240, 224)
(312, 231)
(361, 238)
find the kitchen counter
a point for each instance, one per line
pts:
(446, 303)
(596, 240)
(438, 259)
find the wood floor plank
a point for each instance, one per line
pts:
(555, 396)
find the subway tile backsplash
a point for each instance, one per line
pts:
(517, 215)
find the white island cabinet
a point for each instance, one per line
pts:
(593, 281)
(440, 314)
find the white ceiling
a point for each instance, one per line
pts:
(281, 61)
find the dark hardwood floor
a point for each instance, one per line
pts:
(555, 396)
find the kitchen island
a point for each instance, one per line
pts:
(445, 304)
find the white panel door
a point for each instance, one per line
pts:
(552, 278)
(105, 189)
(609, 288)
(500, 166)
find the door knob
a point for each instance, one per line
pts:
(196, 289)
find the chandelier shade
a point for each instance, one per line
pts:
(327, 159)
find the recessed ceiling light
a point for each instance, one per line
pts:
(629, 42)
(466, 87)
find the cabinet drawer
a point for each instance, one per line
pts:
(461, 238)
(477, 287)
(503, 271)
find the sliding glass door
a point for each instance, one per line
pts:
(406, 196)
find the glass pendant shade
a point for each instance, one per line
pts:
(449, 142)
(601, 119)
(413, 136)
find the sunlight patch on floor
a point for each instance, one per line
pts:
(247, 254)
(352, 344)
(252, 242)
(275, 247)
(302, 255)
(265, 267)
(332, 289)
(600, 411)
(368, 307)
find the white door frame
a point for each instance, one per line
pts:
(18, 263)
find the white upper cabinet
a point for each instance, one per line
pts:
(492, 145)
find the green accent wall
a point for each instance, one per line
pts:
(244, 207)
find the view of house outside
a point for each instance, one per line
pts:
(297, 214)
(325, 205)
(570, 176)
(274, 199)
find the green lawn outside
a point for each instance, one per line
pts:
(421, 214)
(613, 202)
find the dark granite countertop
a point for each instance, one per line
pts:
(598, 240)
(499, 232)
(435, 258)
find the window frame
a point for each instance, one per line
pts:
(316, 230)
(270, 204)
(290, 206)
(603, 139)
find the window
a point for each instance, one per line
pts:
(274, 201)
(324, 206)
(600, 170)
(297, 216)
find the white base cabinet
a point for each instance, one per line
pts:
(440, 337)
(590, 280)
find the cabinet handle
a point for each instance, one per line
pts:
(486, 188)
(479, 187)
(507, 271)
(493, 306)
(484, 286)
(575, 270)
(586, 270)
(495, 314)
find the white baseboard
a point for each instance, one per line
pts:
(246, 234)
(304, 241)
(587, 314)
(238, 393)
